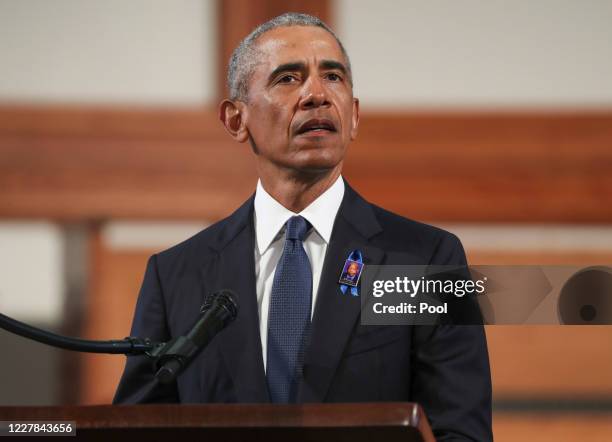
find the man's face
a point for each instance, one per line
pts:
(300, 111)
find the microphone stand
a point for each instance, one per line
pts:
(177, 350)
(169, 358)
(127, 346)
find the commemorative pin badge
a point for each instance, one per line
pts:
(351, 272)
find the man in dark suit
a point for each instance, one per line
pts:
(298, 337)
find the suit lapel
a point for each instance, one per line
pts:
(240, 343)
(336, 313)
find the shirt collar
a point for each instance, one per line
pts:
(271, 216)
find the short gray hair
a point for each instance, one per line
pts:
(245, 57)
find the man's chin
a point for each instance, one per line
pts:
(311, 160)
(316, 161)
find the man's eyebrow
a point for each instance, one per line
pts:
(288, 67)
(333, 64)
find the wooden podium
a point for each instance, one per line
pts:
(388, 422)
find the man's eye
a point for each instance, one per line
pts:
(287, 79)
(333, 77)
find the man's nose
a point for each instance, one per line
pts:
(314, 94)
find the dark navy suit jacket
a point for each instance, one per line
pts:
(445, 368)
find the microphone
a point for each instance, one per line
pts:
(219, 309)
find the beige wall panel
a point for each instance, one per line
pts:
(112, 51)
(475, 53)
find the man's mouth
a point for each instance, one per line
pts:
(316, 126)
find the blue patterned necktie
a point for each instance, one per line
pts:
(289, 315)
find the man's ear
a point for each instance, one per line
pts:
(232, 115)
(355, 119)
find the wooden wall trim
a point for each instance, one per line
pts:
(77, 163)
(51, 121)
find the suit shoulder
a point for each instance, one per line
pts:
(199, 239)
(431, 242)
(198, 247)
(394, 222)
(213, 237)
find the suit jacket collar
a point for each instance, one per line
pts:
(240, 343)
(335, 315)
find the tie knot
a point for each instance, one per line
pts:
(297, 228)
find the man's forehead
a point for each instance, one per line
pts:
(297, 43)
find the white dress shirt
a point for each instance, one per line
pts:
(270, 219)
